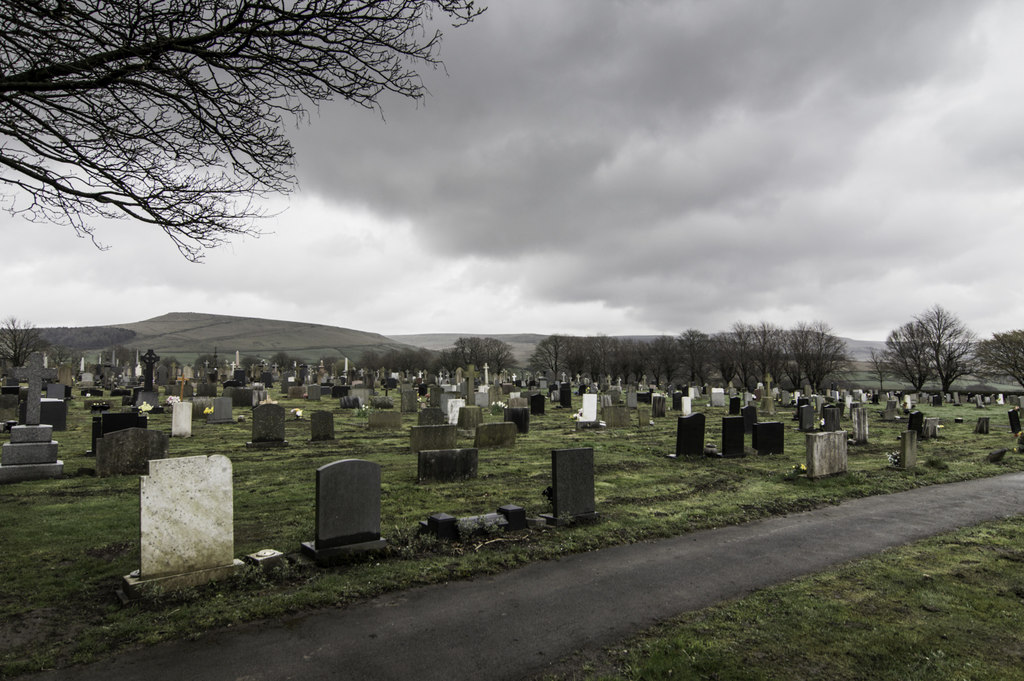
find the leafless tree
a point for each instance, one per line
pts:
(172, 113)
(879, 367)
(696, 349)
(1003, 355)
(817, 353)
(18, 340)
(950, 344)
(907, 354)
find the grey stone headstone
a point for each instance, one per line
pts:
(572, 485)
(221, 411)
(431, 416)
(129, 451)
(267, 426)
(502, 434)
(826, 454)
(347, 510)
(432, 437)
(321, 426)
(446, 465)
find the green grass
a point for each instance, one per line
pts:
(67, 543)
(946, 608)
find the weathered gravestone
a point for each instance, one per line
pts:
(384, 420)
(806, 415)
(186, 525)
(749, 415)
(347, 511)
(446, 465)
(908, 450)
(129, 451)
(717, 397)
(432, 437)
(1014, 416)
(768, 437)
(321, 426)
(830, 415)
(572, 486)
(916, 423)
(431, 416)
(981, 428)
(826, 454)
(313, 392)
(930, 429)
(860, 425)
(495, 435)
(454, 406)
(732, 436)
(658, 406)
(267, 427)
(410, 402)
(690, 435)
(616, 416)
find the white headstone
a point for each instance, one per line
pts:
(453, 410)
(687, 404)
(181, 420)
(589, 407)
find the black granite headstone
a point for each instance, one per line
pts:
(690, 435)
(732, 436)
(768, 437)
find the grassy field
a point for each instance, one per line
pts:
(67, 543)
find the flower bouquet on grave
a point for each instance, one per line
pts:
(498, 408)
(145, 407)
(172, 400)
(795, 472)
(577, 416)
(894, 459)
(297, 413)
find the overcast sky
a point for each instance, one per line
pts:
(641, 167)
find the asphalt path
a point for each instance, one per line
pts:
(529, 621)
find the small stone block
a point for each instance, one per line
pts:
(28, 453)
(266, 559)
(26, 434)
(515, 515)
(443, 526)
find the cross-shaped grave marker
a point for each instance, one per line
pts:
(470, 380)
(34, 372)
(150, 359)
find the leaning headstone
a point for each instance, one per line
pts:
(572, 486)
(267, 427)
(432, 437)
(826, 454)
(129, 451)
(768, 437)
(184, 544)
(690, 435)
(446, 465)
(502, 434)
(347, 511)
(321, 426)
(732, 436)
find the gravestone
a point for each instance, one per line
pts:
(221, 411)
(589, 408)
(890, 410)
(572, 486)
(501, 434)
(749, 414)
(537, 401)
(184, 544)
(768, 437)
(565, 395)
(321, 426)
(446, 465)
(930, 429)
(109, 422)
(267, 427)
(657, 406)
(1014, 416)
(129, 451)
(470, 418)
(519, 416)
(717, 397)
(52, 412)
(981, 428)
(454, 406)
(631, 399)
(677, 401)
(384, 420)
(860, 425)
(807, 421)
(347, 511)
(431, 416)
(732, 437)
(908, 450)
(616, 416)
(690, 435)
(686, 405)
(735, 404)
(8, 407)
(348, 402)
(181, 419)
(830, 415)
(916, 423)
(432, 437)
(410, 402)
(313, 392)
(826, 454)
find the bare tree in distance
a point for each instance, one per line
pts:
(18, 340)
(879, 367)
(818, 352)
(907, 354)
(173, 113)
(950, 344)
(1003, 355)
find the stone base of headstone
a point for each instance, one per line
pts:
(267, 559)
(30, 455)
(31, 471)
(268, 444)
(551, 519)
(134, 587)
(590, 425)
(338, 554)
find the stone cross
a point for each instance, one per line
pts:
(34, 372)
(150, 359)
(486, 377)
(470, 379)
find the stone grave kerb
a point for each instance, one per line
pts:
(149, 360)
(34, 372)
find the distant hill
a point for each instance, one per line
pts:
(187, 334)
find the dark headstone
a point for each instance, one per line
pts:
(658, 406)
(735, 404)
(805, 412)
(519, 416)
(348, 402)
(565, 396)
(110, 422)
(572, 486)
(690, 435)
(446, 465)
(916, 423)
(128, 451)
(431, 416)
(321, 426)
(982, 426)
(1014, 416)
(749, 414)
(338, 391)
(432, 437)
(768, 437)
(732, 436)
(347, 510)
(831, 416)
(268, 426)
(537, 402)
(495, 435)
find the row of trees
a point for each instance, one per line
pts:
(746, 353)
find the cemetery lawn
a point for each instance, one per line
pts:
(67, 543)
(946, 608)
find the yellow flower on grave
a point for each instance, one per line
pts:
(145, 407)
(208, 410)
